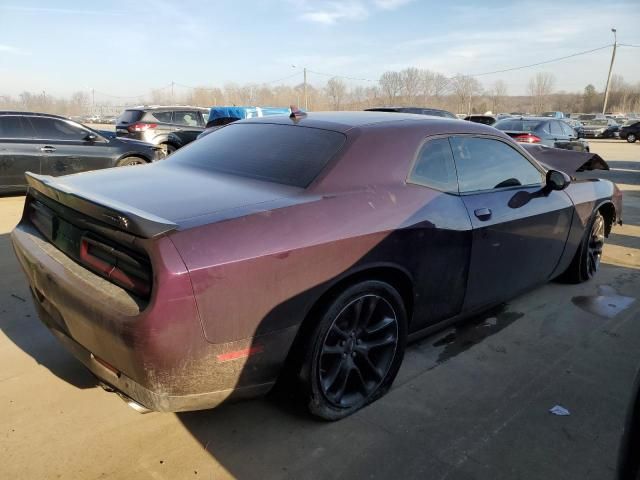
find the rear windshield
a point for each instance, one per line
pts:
(129, 116)
(287, 154)
(517, 125)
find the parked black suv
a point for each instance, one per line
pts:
(53, 145)
(154, 124)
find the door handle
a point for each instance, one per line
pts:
(47, 149)
(483, 213)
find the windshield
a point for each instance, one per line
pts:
(286, 154)
(603, 123)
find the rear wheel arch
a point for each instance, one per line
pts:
(608, 211)
(395, 276)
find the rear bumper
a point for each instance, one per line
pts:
(158, 354)
(151, 399)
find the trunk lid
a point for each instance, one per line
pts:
(149, 200)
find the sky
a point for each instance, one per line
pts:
(127, 48)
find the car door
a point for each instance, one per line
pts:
(519, 233)
(573, 143)
(189, 123)
(65, 147)
(559, 136)
(18, 153)
(436, 238)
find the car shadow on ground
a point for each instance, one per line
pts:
(20, 323)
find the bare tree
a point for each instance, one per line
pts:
(498, 94)
(465, 88)
(336, 90)
(540, 87)
(427, 85)
(411, 80)
(391, 85)
(441, 85)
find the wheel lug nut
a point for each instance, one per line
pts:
(342, 343)
(353, 354)
(344, 355)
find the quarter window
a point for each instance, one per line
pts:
(186, 118)
(487, 164)
(435, 167)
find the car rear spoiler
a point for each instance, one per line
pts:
(568, 161)
(110, 212)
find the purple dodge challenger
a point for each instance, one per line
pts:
(314, 246)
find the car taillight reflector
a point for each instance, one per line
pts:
(119, 267)
(141, 126)
(527, 138)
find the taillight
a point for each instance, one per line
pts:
(527, 138)
(141, 126)
(115, 265)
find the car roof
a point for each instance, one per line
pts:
(32, 114)
(166, 107)
(526, 117)
(345, 121)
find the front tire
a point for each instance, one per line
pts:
(130, 161)
(356, 350)
(631, 138)
(586, 262)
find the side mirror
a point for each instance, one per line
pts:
(90, 137)
(557, 180)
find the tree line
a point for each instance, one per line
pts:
(409, 87)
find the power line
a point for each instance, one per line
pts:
(628, 45)
(541, 63)
(341, 76)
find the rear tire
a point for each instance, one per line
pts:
(170, 149)
(130, 161)
(631, 138)
(587, 259)
(355, 351)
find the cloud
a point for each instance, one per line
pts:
(11, 50)
(56, 10)
(332, 12)
(390, 4)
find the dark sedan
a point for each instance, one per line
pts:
(630, 131)
(543, 131)
(311, 247)
(53, 145)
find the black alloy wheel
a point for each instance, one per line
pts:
(586, 261)
(595, 245)
(356, 350)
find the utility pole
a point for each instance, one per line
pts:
(613, 57)
(306, 102)
(93, 99)
(172, 84)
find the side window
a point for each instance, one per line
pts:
(486, 164)
(54, 129)
(556, 128)
(162, 117)
(568, 130)
(435, 167)
(14, 127)
(189, 119)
